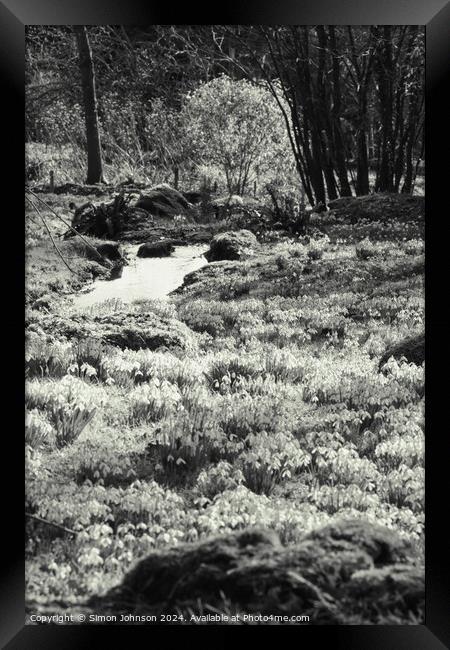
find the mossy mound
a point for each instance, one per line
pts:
(379, 207)
(163, 201)
(121, 328)
(324, 576)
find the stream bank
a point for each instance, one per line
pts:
(145, 278)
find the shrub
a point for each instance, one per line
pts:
(235, 126)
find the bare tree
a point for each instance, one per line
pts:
(94, 149)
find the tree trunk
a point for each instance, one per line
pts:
(94, 150)
(310, 117)
(339, 145)
(362, 70)
(414, 111)
(407, 185)
(362, 165)
(385, 74)
(323, 105)
(176, 177)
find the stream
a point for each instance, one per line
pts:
(144, 278)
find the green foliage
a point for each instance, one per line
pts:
(237, 127)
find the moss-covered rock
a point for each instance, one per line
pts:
(157, 249)
(383, 545)
(412, 349)
(163, 201)
(246, 568)
(388, 593)
(111, 250)
(231, 246)
(333, 575)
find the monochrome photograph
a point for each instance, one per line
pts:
(225, 324)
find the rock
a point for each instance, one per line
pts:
(117, 270)
(246, 567)
(383, 545)
(163, 201)
(395, 589)
(43, 303)
(235, 201)
(412, 349)
(157, 249)
(194, 197)
(231, 245)
(111, 251)
(335, 575)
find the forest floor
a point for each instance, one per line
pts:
(251, 396)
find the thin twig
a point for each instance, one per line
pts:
(50, 235)
(50, 523)
(89, 245)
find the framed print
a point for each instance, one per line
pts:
(232, 271)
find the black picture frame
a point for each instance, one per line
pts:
(435, 15)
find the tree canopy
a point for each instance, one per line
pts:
(349, 100)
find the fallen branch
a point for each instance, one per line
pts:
(50, 523)
(50, 235)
